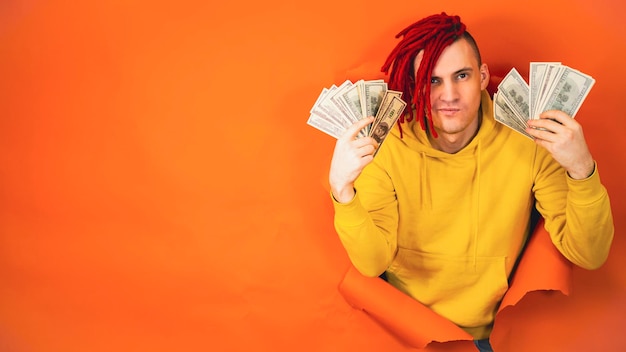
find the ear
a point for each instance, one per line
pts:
(416, 63)
(484, 76)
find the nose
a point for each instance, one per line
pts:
(447, 91)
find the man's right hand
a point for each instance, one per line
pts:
(351, 155)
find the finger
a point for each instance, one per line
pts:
(363, 141)
(352, 131)
(366, 150)
(558, 116)
(547, 124)
(541, 134)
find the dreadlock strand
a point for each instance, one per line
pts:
(435, 52)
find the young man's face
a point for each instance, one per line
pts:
(455, 93)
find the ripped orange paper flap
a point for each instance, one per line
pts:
(412, 322)
(542, 267)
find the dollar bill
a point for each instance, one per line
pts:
(547, 81)
(325, 126)
(515, 91)
(334, 102)
(372, 96)
(384, 105)
(317, 112)
(387, 119)
(535, 77)
(321, 97)
(568, 92)
(503, 114)
(350, 99)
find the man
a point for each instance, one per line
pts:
(444, 207)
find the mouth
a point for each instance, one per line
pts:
(448, 111)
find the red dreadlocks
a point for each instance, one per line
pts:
(431, 34)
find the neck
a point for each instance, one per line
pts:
(449, 143)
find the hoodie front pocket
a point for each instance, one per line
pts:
(466, 289)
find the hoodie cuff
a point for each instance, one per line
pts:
(351, 213)
(587, 190)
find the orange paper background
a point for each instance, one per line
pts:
(161, 191)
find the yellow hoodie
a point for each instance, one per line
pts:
(448, 228)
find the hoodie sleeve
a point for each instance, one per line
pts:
(577, 212)
(367, 225)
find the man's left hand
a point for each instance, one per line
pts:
(563, 137)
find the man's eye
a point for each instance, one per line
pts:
(434, 81)
(462, 75)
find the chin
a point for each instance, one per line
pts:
(450, 128)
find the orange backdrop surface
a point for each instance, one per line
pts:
(161, 191)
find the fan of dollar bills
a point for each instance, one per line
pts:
(338, 107)
(552, 87)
